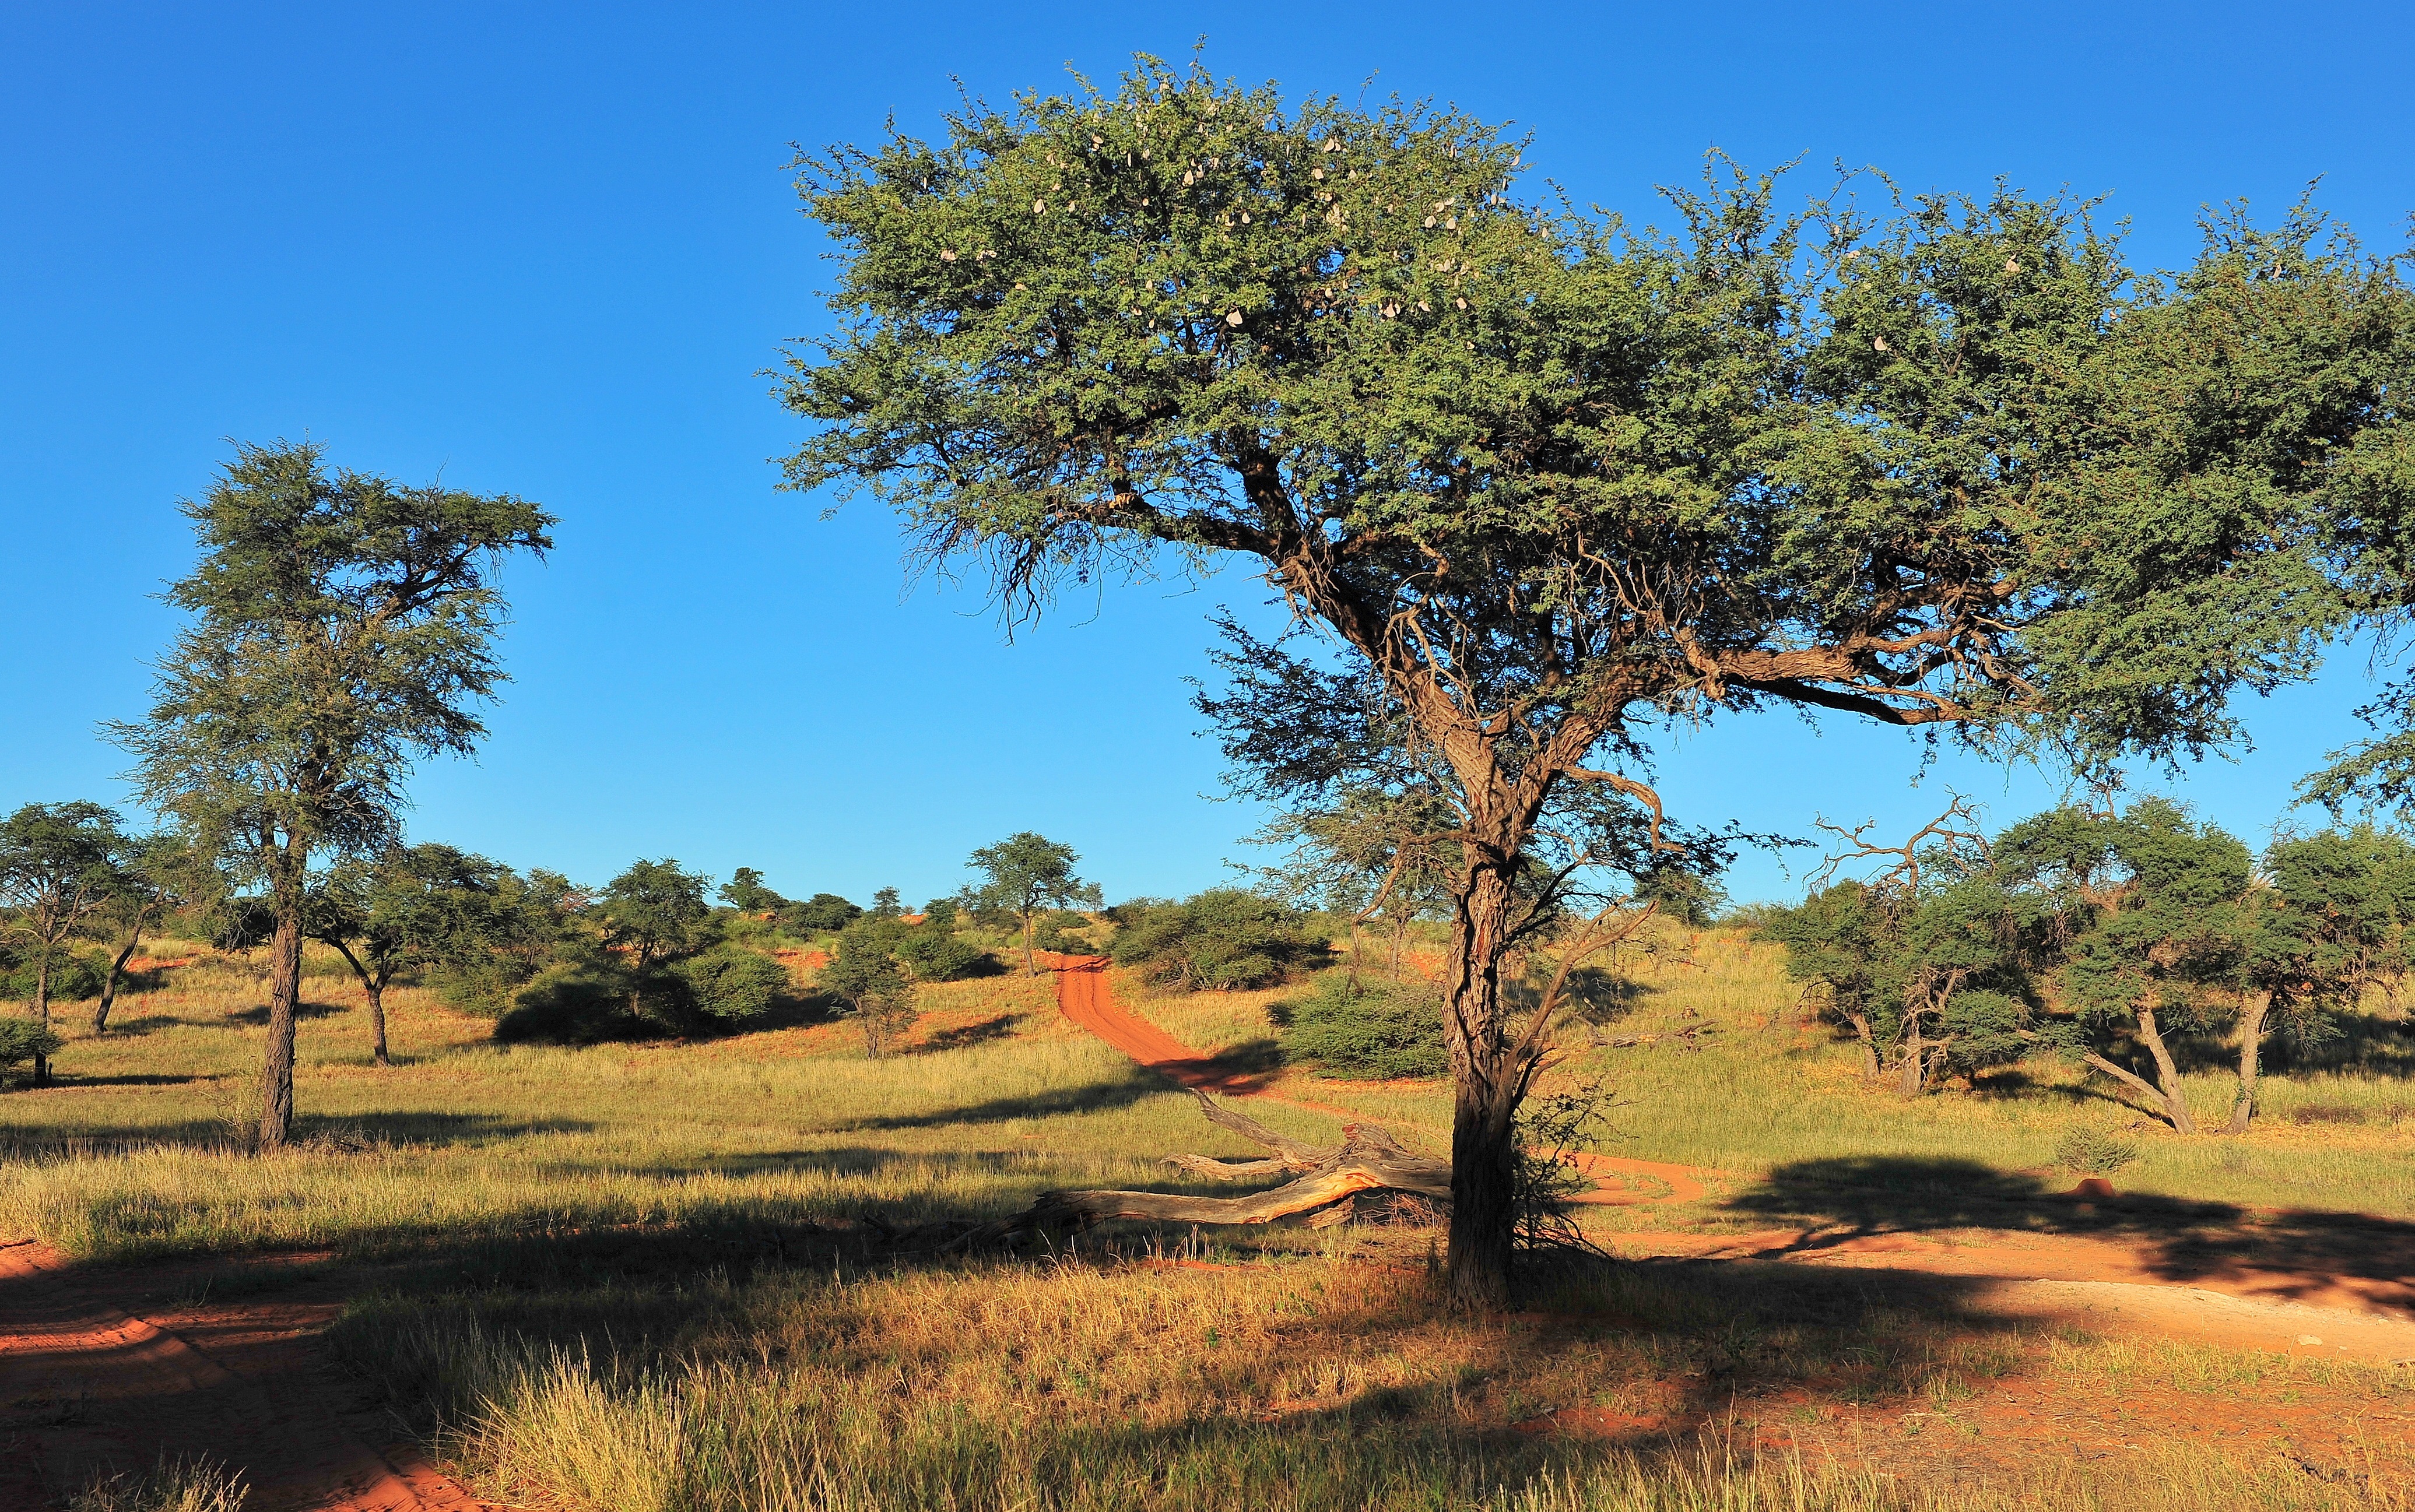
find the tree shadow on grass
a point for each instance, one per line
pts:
(312, 1133)
(301, 1011)
(965, 1035)
(2288, 1254)
(1099, 1096)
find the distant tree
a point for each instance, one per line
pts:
(344, 625)
(877, 986)
(163, 872)
(652, 913)
(1219, 940)
(1023, 875)
(1922, 959)
(2335, 919)
(1559, 489)
(60, 869)
(745, 892)
(408, 907)
(824, 913)
(886, 904)
(2150, 918)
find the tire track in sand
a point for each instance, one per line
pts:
(1084, 996)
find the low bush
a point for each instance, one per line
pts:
(2093, 1152)
(1222, 938)
(731, 985)
(1368, 1029)
(824, 913)
(572, 1003)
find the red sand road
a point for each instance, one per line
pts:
(2103, 1283)
(88, 1389)
(1085, 997)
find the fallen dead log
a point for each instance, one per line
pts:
(1367, 1160)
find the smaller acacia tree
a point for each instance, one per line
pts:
(745, 892)
(2147, 916)
(59, 870)
(869, 975)
(1922, 959)
(1023, 875)
(652, 913)
(2332, 922)
(410, 906)
(160, 872)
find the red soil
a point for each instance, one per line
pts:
(2271, 1296)
(106, 1390)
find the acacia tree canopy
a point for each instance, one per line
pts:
(1550, 483)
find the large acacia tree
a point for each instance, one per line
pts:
(342, 626)
(1549, 484)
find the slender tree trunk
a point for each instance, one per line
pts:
(284, 995)
(1910, 1075)
(1861, 1022)
(1483, 1146)
(1030, 967)
(109, 988)
(377, 1022)
(2251, 1055)
(42, 1012)
(2167, 1076)
(373, 989)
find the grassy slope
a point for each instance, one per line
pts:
(1754, 1091)
(600, 1274)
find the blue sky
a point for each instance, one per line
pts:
(550, 251)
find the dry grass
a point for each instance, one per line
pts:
(642, 1277)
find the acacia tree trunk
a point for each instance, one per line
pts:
(109, 988)
(373, 989)
(1911, 1073)
(2167, 1076)
(1486, 1088)
(1861, 1022)
(2251, 1055)
(284, 995)
(42, 1013)
(1030, 967)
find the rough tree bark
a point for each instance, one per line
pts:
(2167, 1075)
(2251, 1051)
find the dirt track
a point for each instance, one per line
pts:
(89, 1387)
(2105, 1284)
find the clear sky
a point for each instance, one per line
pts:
(550, 249)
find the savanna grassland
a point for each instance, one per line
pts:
(662, 1276)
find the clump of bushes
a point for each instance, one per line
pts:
(572, 1002)
(1064, 932)
(1367, 1029)
(2093, 1152)
(1222, 938)
(731, 985)
(73, 979)
(22, 1041)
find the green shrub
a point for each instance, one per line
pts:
(1368, 1029)
(572, 1003)
(1222, 938)
(1062, 932)
(732, 985)
(2093, 1152)
(21, 1039)
(73, 979)
(935, 954)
